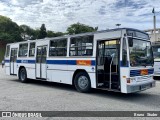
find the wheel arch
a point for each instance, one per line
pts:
(20, 69)
(78, 71)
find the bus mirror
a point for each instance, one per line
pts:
(130, 42)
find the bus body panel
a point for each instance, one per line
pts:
(140, 82)
(28, 64)
(61, 69)
(156, 53)
(57, 70)
(7, 66)
(124, 75)
(108, 35)
(157, 67)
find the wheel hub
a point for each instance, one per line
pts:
(83, 82)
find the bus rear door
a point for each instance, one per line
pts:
(41, 62)
(13, 59)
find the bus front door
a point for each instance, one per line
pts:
(108, 64)
(13, 59)
(41, 62)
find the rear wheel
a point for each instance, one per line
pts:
(82, 82)
(23, 75)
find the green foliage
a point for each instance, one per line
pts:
(9, 30)
(42, 33)
(80, 28)
(59, 34)
(35, 34)
(54, 34)
(50, 34)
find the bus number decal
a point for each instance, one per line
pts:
(144, 72)
(83, 62)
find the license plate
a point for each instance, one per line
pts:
(144, 72)
(143, 87)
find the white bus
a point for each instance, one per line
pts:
(117, 60)
(156, 53)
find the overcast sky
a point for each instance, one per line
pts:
(57, 15)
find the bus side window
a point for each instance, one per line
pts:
(23, 50)
(124, 53)
(58, 47)
(81, 46)
(8, 51)
(32, 50)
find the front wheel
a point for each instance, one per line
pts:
(82, 82)
(23, 75)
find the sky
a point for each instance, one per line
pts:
(57, 15)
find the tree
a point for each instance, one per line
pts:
(54, 34)
(50, 34)
(42, 33)
(59, 34)
(36, 34)
(27, 32)
(9, 30)
(80, 28)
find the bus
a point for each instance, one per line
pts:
(156, 54)
(119, 60)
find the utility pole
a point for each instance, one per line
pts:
(154, 24)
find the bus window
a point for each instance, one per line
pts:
(58, 47)
(81, 46)
(7, 50)
(32, 49)
(23, 50)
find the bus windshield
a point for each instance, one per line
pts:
(141, 53)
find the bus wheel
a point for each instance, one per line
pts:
(23, 75)
(82, 82)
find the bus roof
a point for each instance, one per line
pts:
(81, 34)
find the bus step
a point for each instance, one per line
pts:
(114, 85)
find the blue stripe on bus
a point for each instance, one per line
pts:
(7, 61)
(93, 62)
(138, 72)
(58, 62)
(26, 61)
(72, 62)
(67, 62)
(62, 62)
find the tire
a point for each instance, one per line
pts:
(82, 82)
(23, 75)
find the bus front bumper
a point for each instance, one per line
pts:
(140, 87)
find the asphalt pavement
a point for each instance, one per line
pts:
(46, 96)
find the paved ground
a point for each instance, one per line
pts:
(45, 96)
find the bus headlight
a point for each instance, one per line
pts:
(130, 80)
